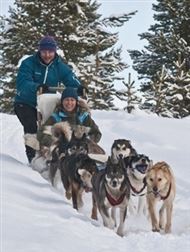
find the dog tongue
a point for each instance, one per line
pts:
(141, 168)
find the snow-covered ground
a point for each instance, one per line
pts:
(35, 217)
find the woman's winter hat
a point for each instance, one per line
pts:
(47, 43)
(69, 92)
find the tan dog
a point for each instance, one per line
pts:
(161, 186)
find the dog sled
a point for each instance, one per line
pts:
(46, 105)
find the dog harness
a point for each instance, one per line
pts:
(115, 202)
(169, 190)
(141, 190)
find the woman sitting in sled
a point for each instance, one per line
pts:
(70, 116)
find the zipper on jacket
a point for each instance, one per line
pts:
(46, 72)
(45, 76)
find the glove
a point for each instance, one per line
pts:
(43, 88)
(82, 90)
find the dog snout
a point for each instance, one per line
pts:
(120, 156)
(155, 188)
(143, 160)
(114, 183)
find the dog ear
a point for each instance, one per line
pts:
(109, 162)
(150, 163)
(127, 142)
(133, 151)
(165, 167)
(128, 160)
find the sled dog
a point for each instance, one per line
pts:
(48, 155)
(66, 148)
(121, 148)
(70, 141)
(76, 174)
(137, 167)
(111, 190)
(161, 186)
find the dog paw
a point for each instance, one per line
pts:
(111, 224)
(80, 204)
(94, 216)
(167, 229)
(68, 195)
(120, 232)
(155, 230)
(161, 226)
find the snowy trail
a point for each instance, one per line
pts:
(37, 217)
(44, 212)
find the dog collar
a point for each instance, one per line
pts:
(114, 202)
(169, 190)
(134, 189)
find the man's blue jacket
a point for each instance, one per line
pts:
(33, 73)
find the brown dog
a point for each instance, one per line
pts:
(161, 186)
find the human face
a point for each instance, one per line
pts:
(69, 104)
(47, 56)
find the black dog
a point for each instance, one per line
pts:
(76, 174)
(66, 148)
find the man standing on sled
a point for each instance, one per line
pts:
(42, 70)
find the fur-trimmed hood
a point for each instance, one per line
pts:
(82, 106)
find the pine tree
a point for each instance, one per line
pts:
(75, 24)
(179, 90)
(100, 69)
(168, 36)
(155, 97)
(129, 95)
(28, 23)
(102, 84)
(169, 95)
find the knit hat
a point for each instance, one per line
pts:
(69, 92)
(47, 43)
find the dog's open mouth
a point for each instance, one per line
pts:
(141, 168)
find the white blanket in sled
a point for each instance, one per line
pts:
(46, 104)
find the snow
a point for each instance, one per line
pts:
(36, 217)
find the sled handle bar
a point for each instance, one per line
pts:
(54, 89)
(60, 89)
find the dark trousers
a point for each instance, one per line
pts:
(27, 115)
